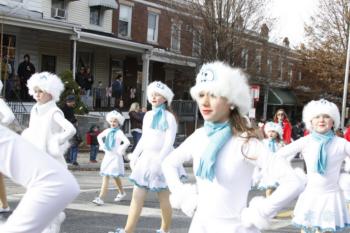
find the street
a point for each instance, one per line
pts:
(85, 217)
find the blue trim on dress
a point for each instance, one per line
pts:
(112, 175)
(313, 229)
(147, 188)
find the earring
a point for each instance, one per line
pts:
(232, 107)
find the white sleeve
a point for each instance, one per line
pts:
(290, 182)
(6, 114)
(174, 160)
(68, 129)
(50, 186)
(289, 151)
(101, 136)
(122, 148)
(170, 135)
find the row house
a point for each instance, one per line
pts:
(273, 68)
(135, 39)
(141, 40)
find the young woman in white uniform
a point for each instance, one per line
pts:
(321, 207)
(50, 186)
(224, 153)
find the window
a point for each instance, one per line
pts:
(196, 44)
(269, 67)
(290, 71)
(244, 57)
(152, 31)
(281, 69)
(48, 63)
(175, 37)
(258, 61)
(58, 4)
(124, 24)
(95, 16)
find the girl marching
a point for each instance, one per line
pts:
(273, 142)
(48, 129)
(158, 136)
(224, 153)
(50, 187)
(114, 145)
(321, 206)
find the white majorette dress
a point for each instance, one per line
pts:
(49, 130)
(322, 205)
(220, 202)
(113, 163)
(154, 145)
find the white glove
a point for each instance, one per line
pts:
(185, 198)
(251, 217)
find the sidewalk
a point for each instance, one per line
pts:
(84, 162)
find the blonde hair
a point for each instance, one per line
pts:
(134, 107)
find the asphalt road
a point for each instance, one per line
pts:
(84, 217)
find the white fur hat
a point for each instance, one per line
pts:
(161, 88)
(222, 80)
(1, 85)
(272, 126)
(322, 106)
(115, 114)
(47, 82)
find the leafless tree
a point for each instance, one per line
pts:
(219, 26)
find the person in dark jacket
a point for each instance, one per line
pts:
(68, 109)
(136, 118)
(25, 71)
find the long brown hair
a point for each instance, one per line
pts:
(242, 127)
(285, 118)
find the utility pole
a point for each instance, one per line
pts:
(346, 78)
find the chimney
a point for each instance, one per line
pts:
(264, 31)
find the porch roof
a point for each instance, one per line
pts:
(40, 24)
(112, 42)
(164, 56)
(111, 4)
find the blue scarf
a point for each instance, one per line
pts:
(323, 139)
(272, 145)
(159, 118)
(110, 139)
(219, 134)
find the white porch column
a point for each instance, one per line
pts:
(145, 77)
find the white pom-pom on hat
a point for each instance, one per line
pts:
(318, 107)
(272, 126)
(47, 82)
(114, 114)
(160, 88)
(222, 80)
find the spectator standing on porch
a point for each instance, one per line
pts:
(117, 90)
(88, 81)
(25, 71)
(79, 78)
